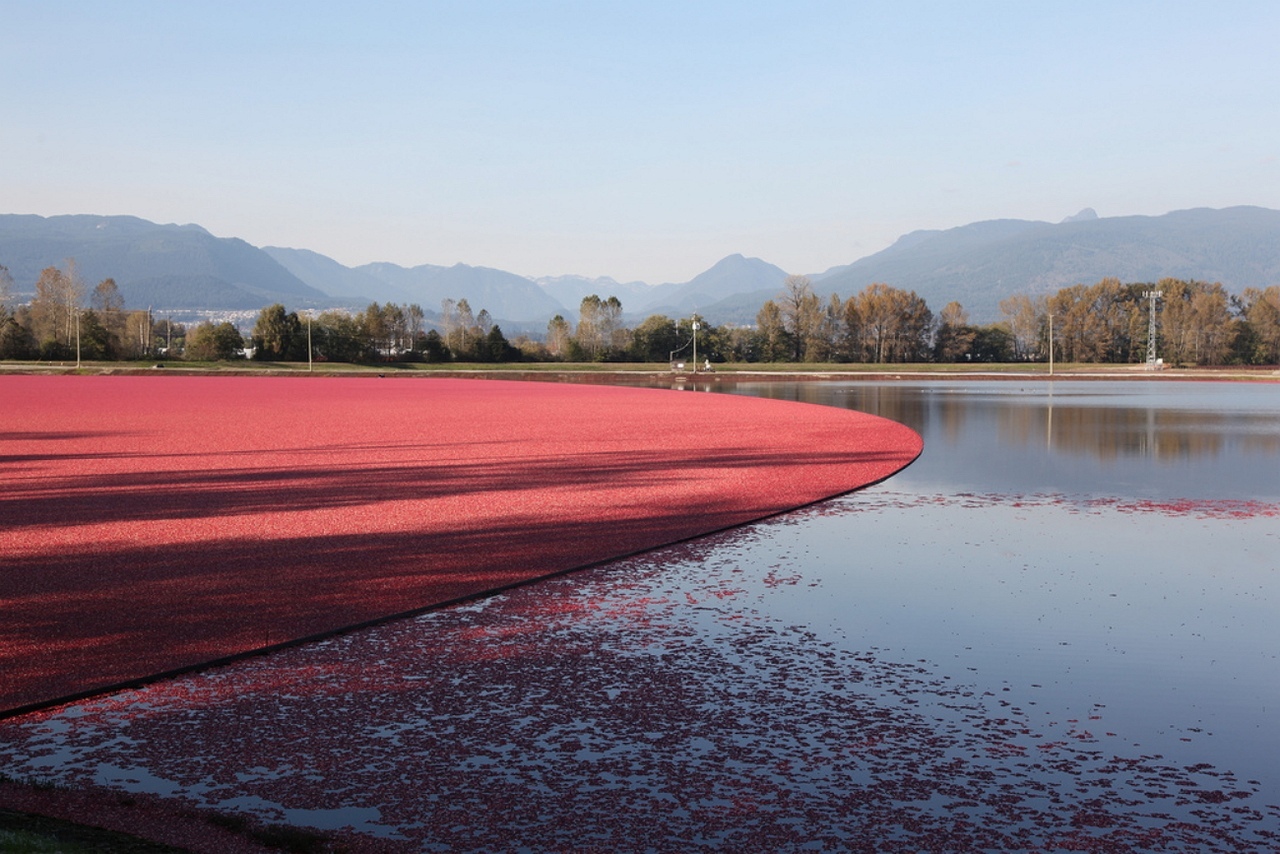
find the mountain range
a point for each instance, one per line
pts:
(184, 267)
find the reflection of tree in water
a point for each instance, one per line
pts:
(903, 404)
(1102, 432)
(1109, 433)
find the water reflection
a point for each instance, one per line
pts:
(1131, 438)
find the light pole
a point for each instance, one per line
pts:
(672, 356)
(1050, 345)
(695, 343)
(308, 342)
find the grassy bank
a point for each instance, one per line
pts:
(605, 371)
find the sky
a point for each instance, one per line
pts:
(637, 140)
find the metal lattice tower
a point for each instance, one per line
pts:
(1152, 296)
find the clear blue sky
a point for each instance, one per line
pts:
(641, 140)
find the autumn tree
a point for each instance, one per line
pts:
(846, 333)
(1096, 323)
(57, 301)
(1261, 309)
(1024, 319)
(137, 331)
(832, 344)
(1195, 322)
(894, 324)
(954, 336)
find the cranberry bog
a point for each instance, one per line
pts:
(1056, 633)
(150, 525)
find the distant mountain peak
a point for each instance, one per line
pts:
(1084, 216)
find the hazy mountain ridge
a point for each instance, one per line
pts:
(327, 275)
(163, 265)
(506, 296)
(982, 263)
(570, 290)
(977, 265)
(726, 278)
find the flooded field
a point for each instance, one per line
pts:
(1056, 631)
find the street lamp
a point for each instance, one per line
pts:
(695, 343)
(671, 357)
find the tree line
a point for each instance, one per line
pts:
(380, 333)
(56, 323)
(1197, 323)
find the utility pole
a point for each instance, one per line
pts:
(1152, 296)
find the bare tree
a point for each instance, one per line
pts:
(558, 335)
(6, 294)
(1023, 317)
(591, 335)
(53, 309)
(106, 297)
(802, 316)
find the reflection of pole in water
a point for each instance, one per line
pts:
(1048, 432)
(1151, 431)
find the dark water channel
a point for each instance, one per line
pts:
(1058, 630)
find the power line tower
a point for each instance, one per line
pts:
(1152, 296)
